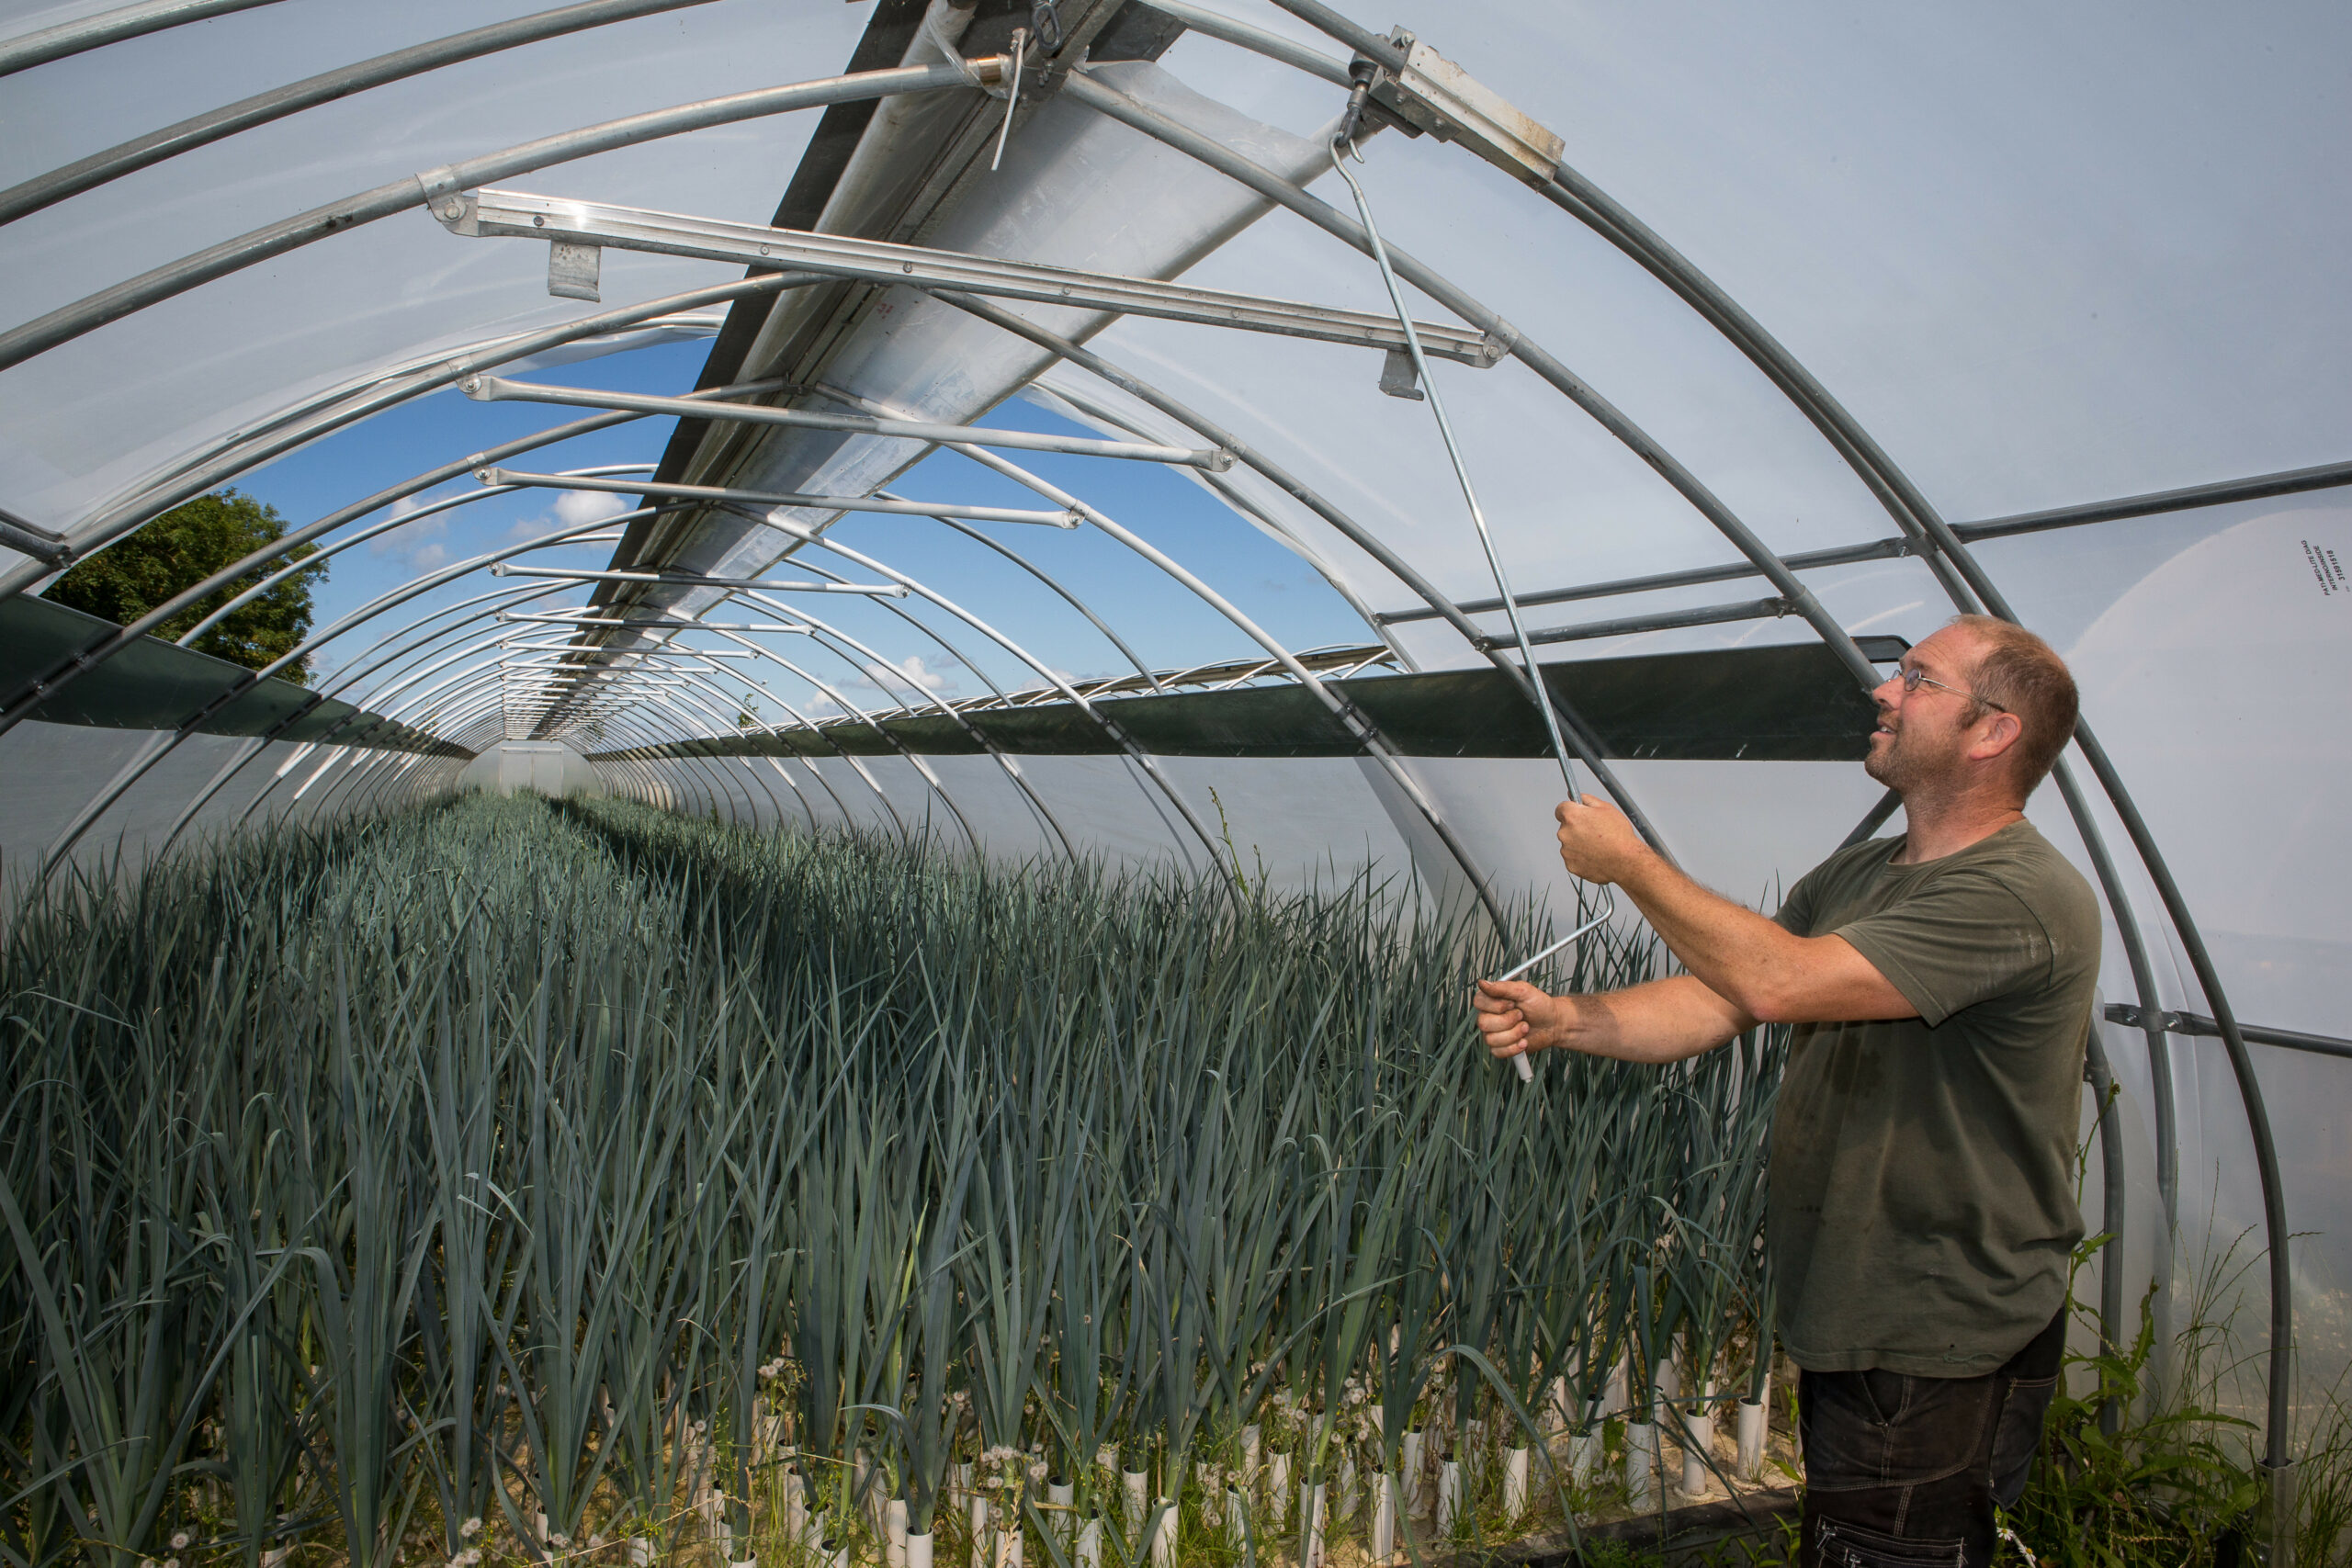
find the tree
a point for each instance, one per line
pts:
(182, 548)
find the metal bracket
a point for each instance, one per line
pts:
(446, 200)
(2132, 1016)
(1432, 94)
(1397, 377)
(572, 270)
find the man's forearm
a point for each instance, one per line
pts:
(1663, 1020)
(1733, 950)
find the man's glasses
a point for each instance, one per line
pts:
(1912, 680)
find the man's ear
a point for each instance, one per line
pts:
(1996, 732)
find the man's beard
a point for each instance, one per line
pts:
(1890, 767)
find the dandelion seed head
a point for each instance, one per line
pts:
(180, 1540)
(471, 1527)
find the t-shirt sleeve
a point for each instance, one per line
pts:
(1795, 913)
(1962, 939)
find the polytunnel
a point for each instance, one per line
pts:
(1136, 434)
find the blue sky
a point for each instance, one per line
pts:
(1164, 623)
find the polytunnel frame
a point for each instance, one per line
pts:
(162, 744)
(1946, 556)
(371, 661)
(348, 676)
(820, 629)
(1943, 551)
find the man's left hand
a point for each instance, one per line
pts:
(1597, 843)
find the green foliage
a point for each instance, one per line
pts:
(666, 1180)
(182, 548)
(2169, 1484)
(2175, 1483)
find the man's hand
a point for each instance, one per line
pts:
(1515, 1018)
(1663, 1020)
(1599, 842)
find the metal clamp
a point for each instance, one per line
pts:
(2132, 1016)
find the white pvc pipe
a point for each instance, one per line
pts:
(1695, 1452)
(1751, 1430)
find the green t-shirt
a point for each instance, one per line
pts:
(1922, 1206)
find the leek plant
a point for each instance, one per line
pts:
(578, 1182)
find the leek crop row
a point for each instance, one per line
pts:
(569, 1181)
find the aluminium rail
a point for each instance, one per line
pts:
(510, 214)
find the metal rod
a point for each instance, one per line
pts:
(1522, 967)
(2291, 481)
(568, 619)
(1670, 620)
(692, 580)
(110, 27)
(495, 389)
(2143, 983)
(2259, 487)
(1477, 513)
(1273, 46)
(385, 525)
(318, 413)
(1366, 733)
(1692, 577)
(523, 215)
(199, 130)
(1064, 519)
(2255, 1034)
(1225, 160)
(169, 741)
(70, 321)
(1152, 773)
(1588, 750)
(1355, 34)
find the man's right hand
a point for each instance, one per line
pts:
(1660, 1021)
(1515, 1018)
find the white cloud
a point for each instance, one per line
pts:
(574, 507)
(424, 557)
(404, 541)
(894, 679)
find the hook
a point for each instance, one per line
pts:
(1011, 95)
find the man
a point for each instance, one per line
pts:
(1922, 1210)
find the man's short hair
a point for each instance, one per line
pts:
(2020, 673)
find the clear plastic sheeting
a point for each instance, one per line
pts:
(85, 429)
(2042, 258)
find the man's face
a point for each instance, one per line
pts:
(1920, 735)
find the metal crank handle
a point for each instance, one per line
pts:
(1520, 1063)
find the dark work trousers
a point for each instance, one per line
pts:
(1903, 1472)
